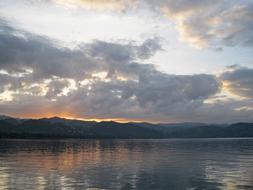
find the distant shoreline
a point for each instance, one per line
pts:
(61, 128)
(63, 139)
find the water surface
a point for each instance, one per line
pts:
(127, 164)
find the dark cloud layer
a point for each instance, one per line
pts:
(105, 80)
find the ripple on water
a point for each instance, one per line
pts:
(127, 164)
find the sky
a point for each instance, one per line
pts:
(127, 60)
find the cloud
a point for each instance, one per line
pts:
(98, 5)
(212, 24)
(103, 80)
(123, 52)
(209, 24)
(201, 23)
(96, 80)
(218, 26)
(239, 81)
(21, 51)
(180, 7)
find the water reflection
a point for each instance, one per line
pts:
(127, 164)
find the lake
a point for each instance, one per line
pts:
(176, 164)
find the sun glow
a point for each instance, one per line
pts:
(228, 90)
(6, 96)
(99, 5)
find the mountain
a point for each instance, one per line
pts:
(64, 128)
(2, 117)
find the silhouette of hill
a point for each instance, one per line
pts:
(65, 128)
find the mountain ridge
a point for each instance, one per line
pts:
(57, 127)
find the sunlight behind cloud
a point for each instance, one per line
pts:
(99, 5)
(123, 59)
(6, 96)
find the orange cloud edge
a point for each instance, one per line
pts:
(71, 117)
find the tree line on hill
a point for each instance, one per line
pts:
(65, 128)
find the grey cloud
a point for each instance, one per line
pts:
(230, 27)
(56, 88)
(202, 23)
(213, 24)
(180, 6)
(129, 89)
(239, 81)
(20, 50)
(149, 48)
(123, 52)
(239, 26)
(205, 23)
(209, 24)
(157, 96)
(165, 91)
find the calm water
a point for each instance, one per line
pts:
(127, 164)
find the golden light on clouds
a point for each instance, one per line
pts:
(188, 35)
(228, 89)
(46, 113)
(187, 31)
(6, 96)
(123, 60)
(99, 5)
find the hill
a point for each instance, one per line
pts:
(64, 128)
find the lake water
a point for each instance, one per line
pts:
(127, 164)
